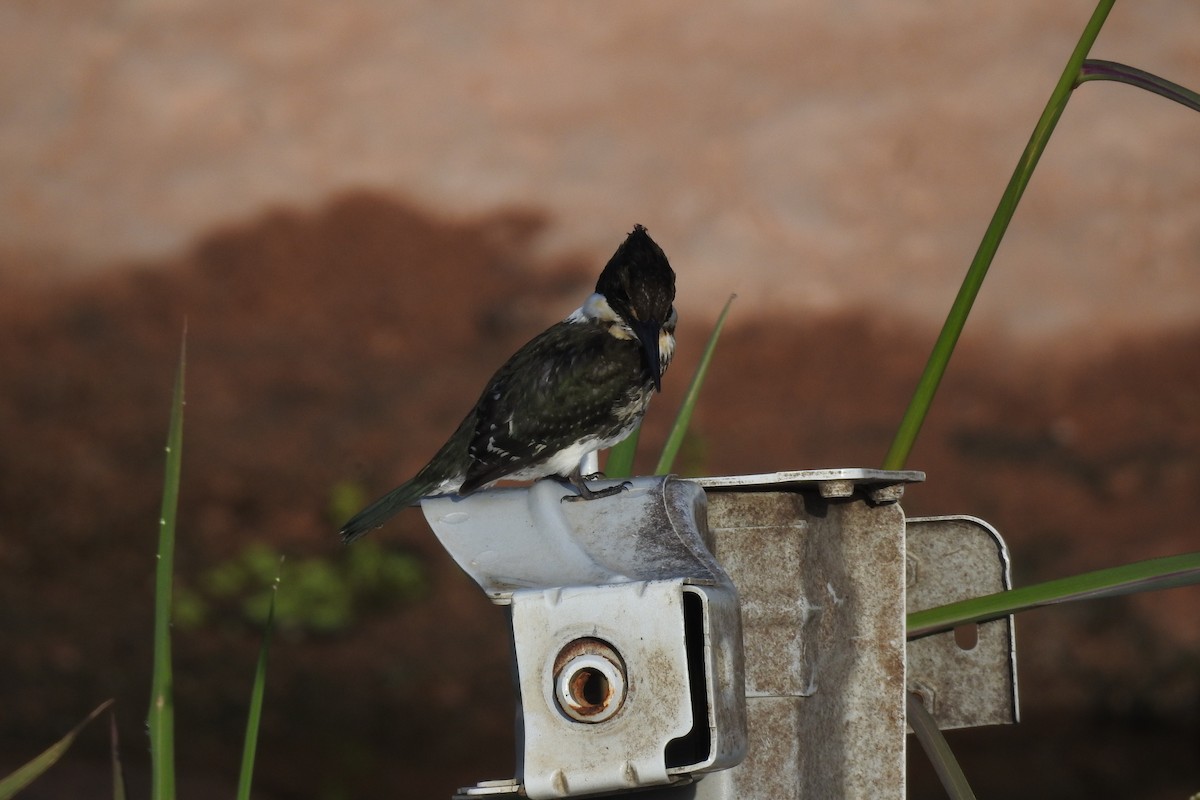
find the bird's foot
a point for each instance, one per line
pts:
(579, 481)
(595, 494)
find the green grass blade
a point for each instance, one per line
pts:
(1097, 70)
(1143, 576)
(684, 417)
(254, 717)
(118, 771)
(937, 749)
(161, 718)
(32, 770)
(943, 348)
(619, 463)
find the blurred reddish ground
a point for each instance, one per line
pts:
(345, 344)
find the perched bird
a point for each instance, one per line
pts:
(580, 386)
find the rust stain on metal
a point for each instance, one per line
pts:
(590, 693)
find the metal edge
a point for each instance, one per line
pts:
(809, 476)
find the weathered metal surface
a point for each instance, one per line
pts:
(626, 632)
(826, 567)
(821, 581)
(888, 484)
(563, 757)
(510, 539)
(970, 680)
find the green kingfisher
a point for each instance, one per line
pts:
(580, 386)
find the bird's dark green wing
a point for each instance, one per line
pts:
(573, 380)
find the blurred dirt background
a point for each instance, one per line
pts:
(360, 210)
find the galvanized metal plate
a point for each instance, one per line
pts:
(966, 678)
(822, 584)
(879, 485)
(626, 633)
(563, 757)
(512, 539)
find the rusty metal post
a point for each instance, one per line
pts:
(818, 559)
(623, 688)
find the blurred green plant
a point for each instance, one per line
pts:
(257, 690)
(345, 499)
(160, 719)
(33, 769)
(322, 595)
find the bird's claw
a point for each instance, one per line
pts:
(595, 494)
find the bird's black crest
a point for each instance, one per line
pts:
(638, 281)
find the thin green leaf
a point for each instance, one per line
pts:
(1143, 576)
(31, 771)
(943, 348)
(118, 771)
(937, 749)
(1097, 70)
(254, 717)
(684, 417)
(619, 463)
(161, 718)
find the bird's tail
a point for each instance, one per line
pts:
(443, 473)
(382, 509)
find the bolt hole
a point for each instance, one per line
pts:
(589, 680)
(589, 687)
(966, 636)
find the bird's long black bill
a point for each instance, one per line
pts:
(647, 333)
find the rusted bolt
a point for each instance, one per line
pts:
(926, 694)
(835, 488)
(589, 680)
(890, 493)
